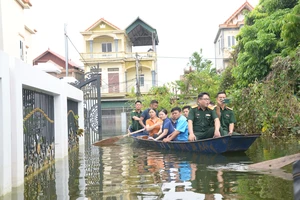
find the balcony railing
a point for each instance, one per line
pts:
(118, 55)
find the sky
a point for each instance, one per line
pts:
(183, 27)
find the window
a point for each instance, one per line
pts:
(142, 80)
(113, 69)
(106, 47)
(96, 70)
(231, 41)
(21, 50)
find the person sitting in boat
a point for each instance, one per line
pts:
(225, 114)
(173, 120)
(153, 124)
(181, 129)
(186, 110)
(203, 122)
(145, 114)
(166, 128)
(135, 117)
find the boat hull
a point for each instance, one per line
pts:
(234, 143)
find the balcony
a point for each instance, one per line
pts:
(117, 56)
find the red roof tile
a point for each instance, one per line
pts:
(27, 2)
(246, 5)
(73, 64)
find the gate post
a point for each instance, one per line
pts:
(99, 108)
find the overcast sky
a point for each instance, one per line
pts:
(183, 27)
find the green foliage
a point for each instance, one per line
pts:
(227, 80)
(203, 78)
(270, 107)
(162, 94)
(291, 28)
(259, 41)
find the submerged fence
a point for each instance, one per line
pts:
(38, 113)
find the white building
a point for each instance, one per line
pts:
(15, 31)
(226, 36)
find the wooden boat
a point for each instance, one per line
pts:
(234, 143)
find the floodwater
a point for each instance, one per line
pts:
(128, 171)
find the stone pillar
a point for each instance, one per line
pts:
(17, 142)
(62, 178)
(60, 126)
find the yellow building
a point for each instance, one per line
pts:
(111, 48)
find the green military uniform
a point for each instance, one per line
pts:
(135, 125)
(203, 122)
(226, 118)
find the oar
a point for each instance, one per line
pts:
(275, 163)
(112, 140)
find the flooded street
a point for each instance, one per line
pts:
(128, 171)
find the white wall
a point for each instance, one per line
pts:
(5, 127)
(19, 75)
(12, 29)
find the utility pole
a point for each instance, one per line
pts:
(138, 93)
(66, 51)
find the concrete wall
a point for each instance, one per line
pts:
(14, 76)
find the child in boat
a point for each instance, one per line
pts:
(167, 127)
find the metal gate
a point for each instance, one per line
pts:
(90, 85)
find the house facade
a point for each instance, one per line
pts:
(55, 64)
(15, 32)
(226, 36)
(122, 70)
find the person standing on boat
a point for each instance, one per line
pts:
(135, 117)
(203, 122)
(145, 114)
(225, 114)
(167, 127)
(153, 124)
(181, 128)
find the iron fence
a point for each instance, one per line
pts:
(38, 125)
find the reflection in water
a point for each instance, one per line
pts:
(126, 171)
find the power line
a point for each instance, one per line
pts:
(76, 49)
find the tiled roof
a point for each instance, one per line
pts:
(73, 64)
(98, 22)
(27, 2)
(246, 5)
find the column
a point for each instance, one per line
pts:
(153, 78)
(91, 48)
(17, 142)
(116, 47)
(60, 126)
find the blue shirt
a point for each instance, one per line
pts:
(167, 124)
(182, 127)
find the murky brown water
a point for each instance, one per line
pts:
(127, 171)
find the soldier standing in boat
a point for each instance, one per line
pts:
(203, 121)
(225, 114)
(135, 117)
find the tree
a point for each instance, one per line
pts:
(201, 78)
(260, 41)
